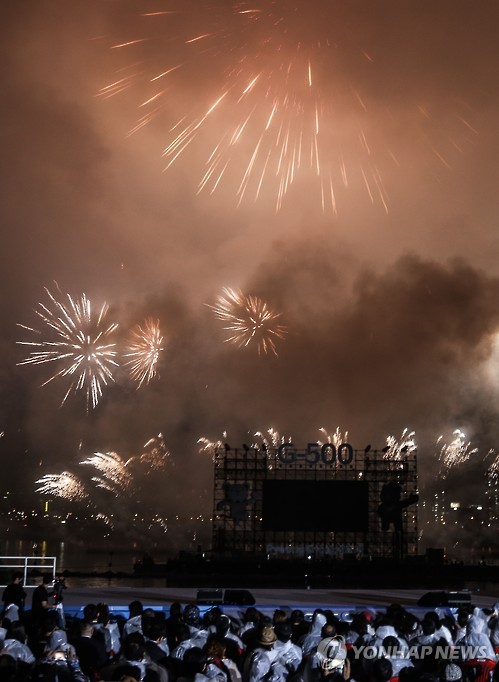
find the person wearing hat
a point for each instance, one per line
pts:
(259, 664)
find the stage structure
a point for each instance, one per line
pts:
(319, 502)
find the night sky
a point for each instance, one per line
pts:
(389, 294)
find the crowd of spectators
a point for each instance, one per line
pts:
(44, 644)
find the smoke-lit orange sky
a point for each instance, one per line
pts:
(391, 299)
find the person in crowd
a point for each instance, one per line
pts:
(40, 601)
(109, 629)
(393, 652)
(134, 653)
(250, 629)
(192, 634)
(199, 667)
(475, 643)
(259, 663)
(402, 645)
(173, 623)
(289, 655)
(233, 645)
(15, 644)
(14, 595)
(309, 642)
(217, 653)
(134, 622)
(91, 651)
(156, 644)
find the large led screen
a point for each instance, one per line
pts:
(315, 506)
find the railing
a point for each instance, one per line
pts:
(32, 568)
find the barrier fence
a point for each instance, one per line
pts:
(32, 567)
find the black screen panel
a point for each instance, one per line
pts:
(315, 506)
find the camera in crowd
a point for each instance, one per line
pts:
(59, 587)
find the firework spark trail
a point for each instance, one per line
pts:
(82, 343)
(250, 321)
(266, 66)
(65, 485)
(336, 439)
(493, 469)
(156, 455)
(144, 347)
(398, 449)
(285, 85)
(455, 453)
(275, 438)
(115, 477)
(210, 447)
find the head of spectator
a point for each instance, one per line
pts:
(428, 626)
(135, 608)
(90, 613)
(195, 661)
(251, 615)
(155, 630)
(86, 629)
(215, 648)
(17, 577)
(175, 609)
(211, 616)
(267, 637)
(191, 616)
(328, 630)
(279, 616)
(103, 613)
(382, 670)
(222, 625)
(359, 623)
(433, 615)
(283, 631)
(133, 647)
(391, 646)
(18, 632)
(462, 617)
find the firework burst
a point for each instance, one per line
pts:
(249, 321)
(280, 97)
(398, 449)
(493, 469)
(156, 455)
(111, 473)
(454, 453)
(65, 485)
(81, 345)
(114, 475)
(143, 350)
(210, 447)
(336, 438)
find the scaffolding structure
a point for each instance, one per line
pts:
(239, 479)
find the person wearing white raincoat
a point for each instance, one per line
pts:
(310, 641)
(476, 643)
(258, 665)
